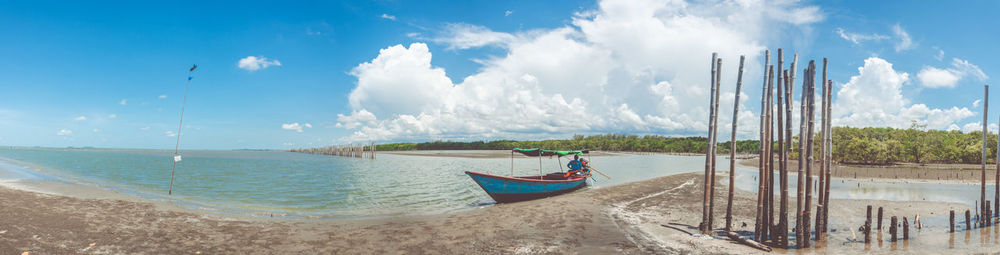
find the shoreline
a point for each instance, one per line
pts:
(658, 215)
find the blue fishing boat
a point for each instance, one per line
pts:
(506, 189)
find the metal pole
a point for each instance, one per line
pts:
(170, 189)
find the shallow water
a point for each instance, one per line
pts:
(306, 185)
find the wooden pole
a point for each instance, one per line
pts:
(892, 229)
(906, 229)
(704, 227)
(986, 103)
(811, 78)
(822, 157)
(968, 220)
(868, 225)
(758, 233)
(786, 139)
(829, 155)
(715, 144)
(879, 219)
(776, 237)
(736, 237)
(951, 221)
(732, 147)
(769, 171)
(802, 160)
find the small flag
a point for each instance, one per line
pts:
(177, 158)
(192, 68)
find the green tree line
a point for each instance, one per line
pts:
(607, 142)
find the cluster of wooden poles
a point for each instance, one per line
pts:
(777, 100)
(894, 227)
(986, 214)
(350, 150)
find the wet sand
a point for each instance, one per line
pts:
(653, 216)
(903, 172)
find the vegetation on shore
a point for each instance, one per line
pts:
(869, 145)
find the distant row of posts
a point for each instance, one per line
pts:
(350, 150)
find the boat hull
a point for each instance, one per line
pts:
(506, 189)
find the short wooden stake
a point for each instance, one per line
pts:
(879, 226)
(892, 229)
(951, 222)
(868, 225)
(968, 220)
(906, 229)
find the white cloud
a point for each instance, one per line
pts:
(606, 72)
(978, 126)
(123, 102)
(508, 13)
(465, 36)
(97, 130)
(905, 42)
(874, 98)
(857, 39)
(252, 63)
(933, 77)
(295, 126)
(81, 118)
(162, 96)
(112, 116)
(170, 133)
(976, 103)
(940, 55)
(64, 132)
(413, 34)
(144, 128)
(388, 17)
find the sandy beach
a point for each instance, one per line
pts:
(653, 216)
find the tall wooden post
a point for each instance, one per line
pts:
(986, 103)
(704, 227)
(758, 233)
(769, 171)
(829, 155)
(951, 221)
(715, 144)
(799, 199)
(868, 224)
(811, 78)
(822, 158)
(789, 88)
(732, 147)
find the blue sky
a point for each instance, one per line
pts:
(112, 74)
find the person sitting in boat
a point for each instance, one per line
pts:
(574, 166)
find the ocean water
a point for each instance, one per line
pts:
(307, 185)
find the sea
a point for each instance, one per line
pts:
(299, 185)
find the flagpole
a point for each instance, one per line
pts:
(179, 125)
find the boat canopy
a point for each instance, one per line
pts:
(536, 152)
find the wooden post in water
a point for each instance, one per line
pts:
(986, 103)
(892, 229)
(776, 231)
(732, 147)
(758, 229)
(951, 221)
(879, 226)
(968, 220)
(868, 225)
(715, 144)
(704, 226)
(906, 229)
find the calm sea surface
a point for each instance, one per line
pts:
(297, 185)
(306, 185)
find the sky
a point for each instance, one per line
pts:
(312, 74)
